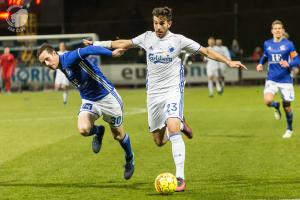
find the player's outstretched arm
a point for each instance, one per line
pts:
(218, 57)
(122, 44)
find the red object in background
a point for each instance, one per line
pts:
(37, 2)
(4, 15)
(15, 2)
(8, 65)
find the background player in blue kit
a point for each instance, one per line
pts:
(99, 97)
(282, 58)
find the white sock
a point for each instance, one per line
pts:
(65, 96)
(178, 150)
(210, 87)
(218, 86)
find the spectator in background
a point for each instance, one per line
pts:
(225, 52)
(8, 66)
(236, 52)
(257, 53)
(61, 81)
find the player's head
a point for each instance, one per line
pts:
(277, 29)
(48, 56)
(162, 20)
(219, 42)
(62, 47)
(6, 50)
(286, 35)
(211, 41)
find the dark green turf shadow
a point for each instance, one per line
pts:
(116, 185)
(229, 136)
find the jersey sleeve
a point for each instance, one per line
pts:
(293, 52)
(139, 41)
(295, 60)
(189, 45)
(82, 53)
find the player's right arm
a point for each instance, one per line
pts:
(262, 60)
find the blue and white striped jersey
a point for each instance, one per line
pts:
(86, 77)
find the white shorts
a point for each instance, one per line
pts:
(162, 107)
(286, 90)
(110, 107)
(212, 70)
(61, 79)
(222, 68)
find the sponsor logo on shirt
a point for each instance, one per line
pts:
(159, 58)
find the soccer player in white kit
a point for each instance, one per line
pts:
(61, 81)
(165, 81)
(225, 52)
(212, 69)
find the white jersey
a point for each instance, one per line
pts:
(210, 62)
(225, 52)
(165, 71)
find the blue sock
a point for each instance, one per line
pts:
(274, 104)
(125, 143)
(289, 120)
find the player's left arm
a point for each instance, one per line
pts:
(218, 57)
(294, 58)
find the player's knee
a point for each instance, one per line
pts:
(158, 142)
(84, 130)
(118, 137)
(268, 102)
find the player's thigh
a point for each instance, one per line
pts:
(112, 109)
(287, 92)
(85, 122)
(270, 90)
(156, 114)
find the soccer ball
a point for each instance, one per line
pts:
(165, 183)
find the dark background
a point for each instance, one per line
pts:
(248, 21)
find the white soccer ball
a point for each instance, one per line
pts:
(165, 183)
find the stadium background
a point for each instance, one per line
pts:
(237, 152)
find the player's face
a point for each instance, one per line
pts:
(277, 31)
(50, 60)
(62, 46)
(211, 42)
(161, 26)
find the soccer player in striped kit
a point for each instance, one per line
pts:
(99, 97)
(282, 59)
(165, 82)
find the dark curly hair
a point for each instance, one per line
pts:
(163, 12)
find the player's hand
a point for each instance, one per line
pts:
(259, 68)
(87, 42)
(284, 63)
(118, 52)
(236, 64)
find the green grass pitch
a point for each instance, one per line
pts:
(237, 151)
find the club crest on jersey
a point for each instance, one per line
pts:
(282, 48)
(171, 49)
(68, 72)
(269, 48)
(159, 58)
